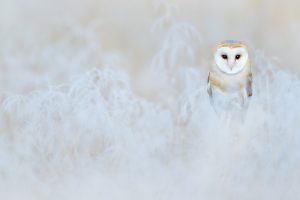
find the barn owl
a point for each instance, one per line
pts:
(229, 82)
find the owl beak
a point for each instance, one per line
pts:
(231, 64)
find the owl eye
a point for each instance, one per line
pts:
(224, 57)
(238, 56)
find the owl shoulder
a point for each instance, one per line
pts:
(214, 80)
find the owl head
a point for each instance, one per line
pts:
(231, 56)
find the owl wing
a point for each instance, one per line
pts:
(249, 85)
(209, 91)
(209, 88)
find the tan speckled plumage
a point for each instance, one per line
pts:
(231, 44)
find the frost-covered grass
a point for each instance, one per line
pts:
(85, 117)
